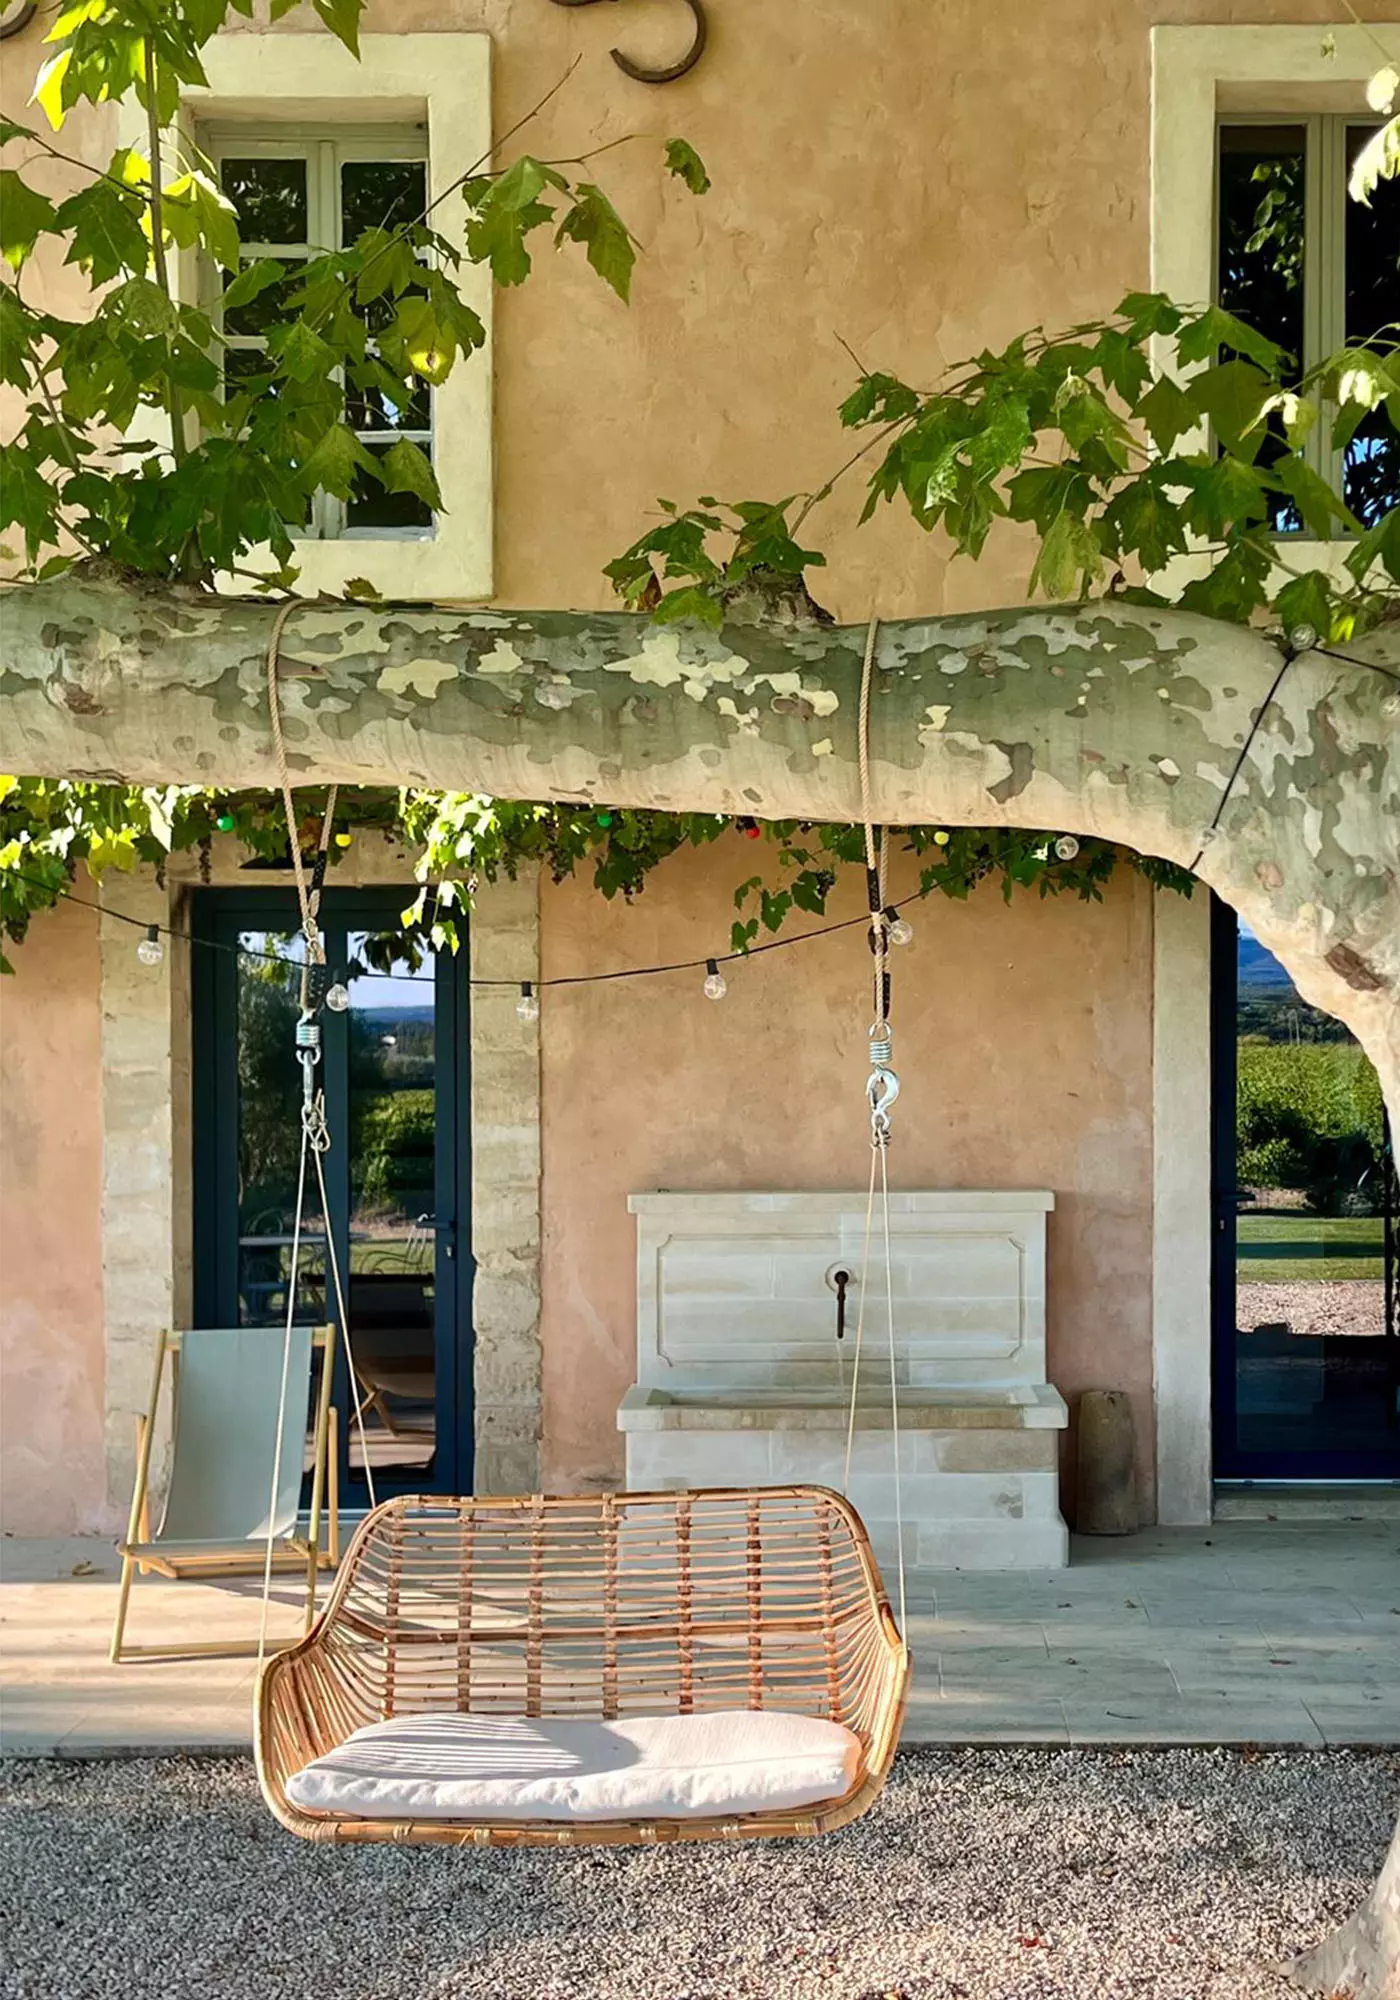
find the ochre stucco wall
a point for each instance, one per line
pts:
(917, 181)
(1024, 1043)
(52, 1466)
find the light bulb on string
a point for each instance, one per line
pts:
(528, 1005)
(716, 985)
(338, 997)
(898, 928)
(1066, 847)
(150, 950)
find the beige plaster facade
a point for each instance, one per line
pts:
(920, 182)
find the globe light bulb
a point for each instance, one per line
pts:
(338, 997)
(716, 986)
(528, 1005)
(226, 822)
(1303, 638)
(901, 931)
(1066, 847)
(941, 839)
(150, 950)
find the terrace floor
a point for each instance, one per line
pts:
(1280, 1632)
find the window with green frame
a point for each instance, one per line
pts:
(299, 192)
(1313, 270)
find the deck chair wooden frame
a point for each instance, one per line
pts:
(143, 1553)
(530, 1605)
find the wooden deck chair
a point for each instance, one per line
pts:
(225, 1388)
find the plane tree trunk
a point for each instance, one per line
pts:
(1276, 781)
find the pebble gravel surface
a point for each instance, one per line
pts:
(1000, 1874)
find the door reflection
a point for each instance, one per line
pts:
(391, 1299)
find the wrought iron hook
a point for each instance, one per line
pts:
(671, 71)
(14, 23)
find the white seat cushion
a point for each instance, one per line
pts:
(505, 1767)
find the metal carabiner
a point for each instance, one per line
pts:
(882, 1088)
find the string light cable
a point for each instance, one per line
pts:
(153, 933)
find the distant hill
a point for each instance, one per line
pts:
(1259, 970)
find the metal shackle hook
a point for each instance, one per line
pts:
(882, 1088)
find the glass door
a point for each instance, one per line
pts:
(1307, 1311)
(394, 1074)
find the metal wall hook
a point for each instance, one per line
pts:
(14, 21)
(671, 71)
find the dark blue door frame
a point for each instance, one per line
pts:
(218, 916)
(1231, 1461)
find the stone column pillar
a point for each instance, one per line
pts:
(505, 1219)
(138, 1244)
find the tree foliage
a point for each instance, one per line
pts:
(1139, 454)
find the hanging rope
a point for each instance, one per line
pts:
(882, 1088)
(315, 1134)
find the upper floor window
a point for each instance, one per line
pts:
(1313, 270)
(299, 193)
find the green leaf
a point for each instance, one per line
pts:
(594, 222)
(1200, 339)
(1307, 600)
(361, 588)
(405, 469)
(1226, 492)
(689, 602)
(1235, 588)
(1378, 160)
(878, 399)
(1234, 395)
(1380, 544)
(300, 351)
(1167, 411)
(25, 215)
(335, 459)
(685, 163)
(255, 278)
(1149, 313)
(342, 17)
(1145, 524)
(1313, 497)
(141, 305)
(105, 227)
(1069, 551)
(48, 87)
(198, 213)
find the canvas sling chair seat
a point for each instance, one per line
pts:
(227, 1406)
(628, 1667)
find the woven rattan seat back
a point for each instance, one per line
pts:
(623, 1605)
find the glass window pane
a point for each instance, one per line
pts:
(270, 197)
(380, 194)
(269, 1135)
(1312, 1371)
(1259, 274)
(375, 409)
(393, 1181)
(1371, 476)
(371, 507)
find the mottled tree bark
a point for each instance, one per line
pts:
(1278, 782)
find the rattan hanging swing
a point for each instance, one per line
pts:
(520, 1667)
(717, 1664)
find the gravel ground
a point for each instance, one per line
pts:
(981, 1875)
(1313, 1305)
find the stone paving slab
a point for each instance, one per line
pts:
(1245, 1632)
